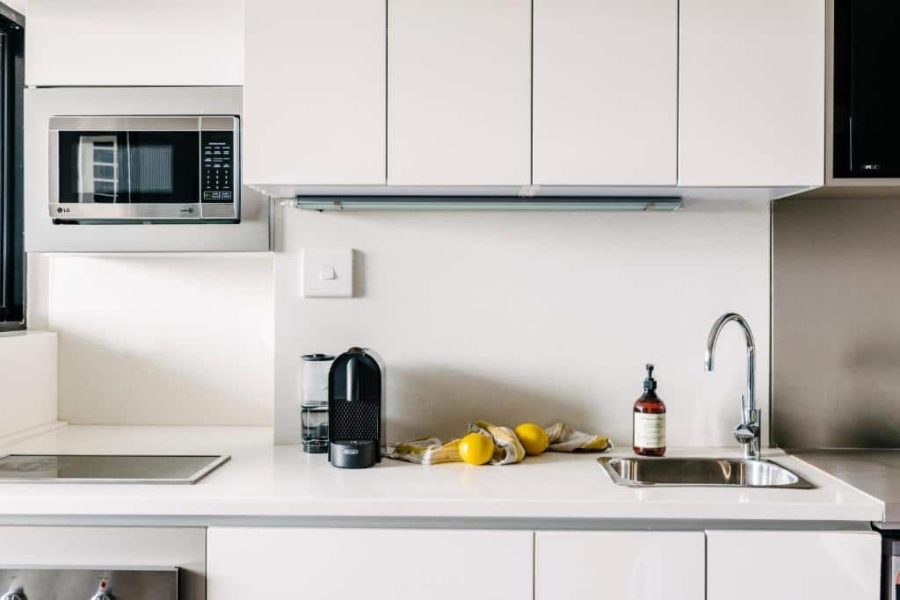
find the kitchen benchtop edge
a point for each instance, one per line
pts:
(280, 482)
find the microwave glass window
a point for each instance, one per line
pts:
(163, 166)
(135, 167)
(92, 167)
(151, 168)
(98, 166)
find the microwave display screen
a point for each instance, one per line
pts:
(129, 167)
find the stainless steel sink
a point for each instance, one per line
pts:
(701, 472)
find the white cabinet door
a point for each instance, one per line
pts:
(789, 565)
(314, 96)
(459, 92)
(134, 42)
(605, 92)
(378, 564)
(625, 565)
(752, 92)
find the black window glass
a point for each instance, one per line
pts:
(12, 255)
(866, 88)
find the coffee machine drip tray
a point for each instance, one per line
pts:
(105, 468)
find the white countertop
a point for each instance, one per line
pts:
(262, 480)
(876, 472)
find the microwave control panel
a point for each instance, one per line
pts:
(217, 160)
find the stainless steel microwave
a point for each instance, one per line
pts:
(145, 169)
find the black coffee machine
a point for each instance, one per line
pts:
(356, 435)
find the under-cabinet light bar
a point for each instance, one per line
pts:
(499, 203)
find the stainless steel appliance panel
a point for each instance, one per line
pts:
(105, 549)
(107, 468)
(124, 177)
(80, 584)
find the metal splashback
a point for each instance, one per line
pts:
(835, 323)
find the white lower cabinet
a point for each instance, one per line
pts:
(379, 564)
(790, 565)
(411, 564)
(625, 565)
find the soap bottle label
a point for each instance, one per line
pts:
(649, 430)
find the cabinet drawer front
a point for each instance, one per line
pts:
(632, 565)
(379, 564)
(788, 565)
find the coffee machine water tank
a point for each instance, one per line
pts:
(356, 415)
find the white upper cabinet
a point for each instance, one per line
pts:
(134, 42)
(637, 565)
(752, 92)
(605, 92)
(314, 97)
(790, 565)
(459, 92)
(376, 564)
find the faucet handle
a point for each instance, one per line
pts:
(749, 416)
(744, 433)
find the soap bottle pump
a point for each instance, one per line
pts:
(649, 420)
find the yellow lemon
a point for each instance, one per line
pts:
(476, 448)
(533, 438)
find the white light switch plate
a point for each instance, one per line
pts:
(327, 273)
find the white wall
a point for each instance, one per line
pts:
(535, 316)
(28, 376)
(168, 340)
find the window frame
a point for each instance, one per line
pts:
(12, 234)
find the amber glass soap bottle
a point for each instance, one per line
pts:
(649, 420)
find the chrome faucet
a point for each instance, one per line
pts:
(748, 431)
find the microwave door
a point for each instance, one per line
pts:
(98, 169)
(90, 181)
(144, 169)
(163, 168)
